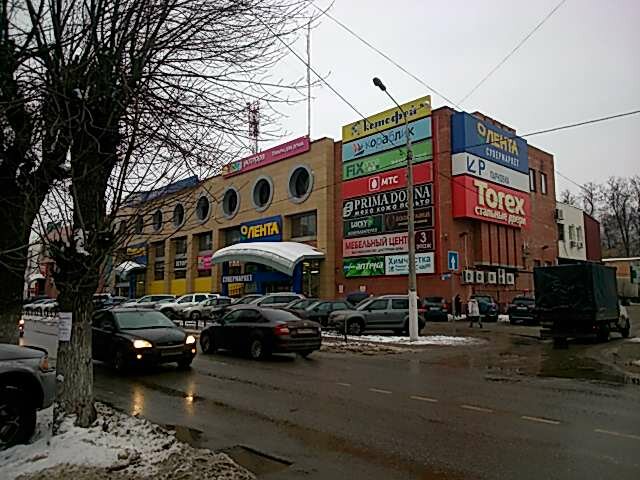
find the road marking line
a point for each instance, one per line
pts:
(617, 434)
(423, 399)
(540, 420)
(378, 390)
(344, 384)
(476, 409)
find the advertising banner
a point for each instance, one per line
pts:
(383, 182)
(363, 267)
(204, 262)
(472, 135)
(415, 109)
(180, 263)
(389, 160)
(397, 221)
(389, 243)
(393, 138)
(399, 264)
(469, 164)
(262, 230)
(474, 198)
(272, 155)
(242, 278)
(138, 253)
(386, 202)
(361, 227)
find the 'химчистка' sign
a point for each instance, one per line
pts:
(272, 155)
(470, 134)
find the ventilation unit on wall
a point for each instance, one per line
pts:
(468, 276)
(492, 277)
(502, 276)
(479, 276)
(580, 245)
(511, 279)
(559, 214)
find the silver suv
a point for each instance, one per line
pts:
(387, 312)
(27, 384)
(174, 309)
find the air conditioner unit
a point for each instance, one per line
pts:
(511, 279)
(580, 245)
(492, 277)
(502, 276)
(559, 214)
(479, 276)
(468, 276)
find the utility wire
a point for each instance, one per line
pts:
(514, 50)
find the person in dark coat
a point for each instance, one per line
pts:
(457, 303)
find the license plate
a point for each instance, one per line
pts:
(170, 353)
(521, 308)
(434, 309)
(306, 331)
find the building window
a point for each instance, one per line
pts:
(262, 193)
(543, 183)
(304, 225)
(537, 263)
(572, 232)
(139, 225)
(230, 202)
(300, 183)
(579, 233)
(205, 242)
(180, 257)
(157, 220)
(202, 208)
(158, 264)
(532, 180)
(178, 215)
(232, 236)
(560, 232)
(205, 245)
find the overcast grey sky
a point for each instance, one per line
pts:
(584, 62)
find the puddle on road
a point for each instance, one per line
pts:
(562, 364)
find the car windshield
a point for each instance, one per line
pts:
(146, 319)
(312, 305)
(524, 301)
(483, 298)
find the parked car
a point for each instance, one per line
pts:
(137, 336)
(210, 308)
(522, 310)
(355, 298)
(387, 312)
(319, 311)
(436, 309)
(276, 299)
(488, 307)
(47, 308)
(148, 301)
(31, 307)
(301, 303)
(246, 299)
(260, 332)
(27, 384)
(174, 309)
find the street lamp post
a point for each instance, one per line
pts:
(413, 295)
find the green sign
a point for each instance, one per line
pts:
(388, 160)
(361, 227)
(363, 267)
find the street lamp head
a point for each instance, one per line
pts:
(378, 83)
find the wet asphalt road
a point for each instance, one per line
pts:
(494, 411)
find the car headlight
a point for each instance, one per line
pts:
(190, 339)
(141, 344)
(21, 321)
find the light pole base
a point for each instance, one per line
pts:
(413, 316)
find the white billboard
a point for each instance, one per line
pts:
(399, 264)
(469, 164)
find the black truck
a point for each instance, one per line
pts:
(578, 301)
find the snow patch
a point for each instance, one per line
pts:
(503, 318)
(78, 237)
(445, 340)
(635, 363)
(634, 340)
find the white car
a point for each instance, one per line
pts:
(148, 301)
(276, 300)
(173, 310)
(48, 308)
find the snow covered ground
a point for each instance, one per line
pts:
(444, 340)
(116, 442)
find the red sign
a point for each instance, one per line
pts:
(275, 154)
(391, 180)
(475, 198)
(204, 262)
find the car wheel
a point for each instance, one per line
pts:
(355, 327)
(305, 354)
(207, 342)
(185, 363)
(119, 361)
(17, 417)
(257, 349)
(603, 333)
(624, 331)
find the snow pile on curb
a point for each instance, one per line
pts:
(115, 443)
(443, 340)
(634, 340)
(503, 318)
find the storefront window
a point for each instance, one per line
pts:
(158, 265)
(180, 259)
(205, 245)
(311, 278)
(304, 225)
(232, 236)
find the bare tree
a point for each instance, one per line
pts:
(568, 197)
(590, 194)
(139, 88)
(617, 203)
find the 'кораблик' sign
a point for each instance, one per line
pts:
(386, 202)
(470, 134)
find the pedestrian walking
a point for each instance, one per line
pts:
(457, 302)
(473, 312)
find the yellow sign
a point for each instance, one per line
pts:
(136, 251)
(393, 117)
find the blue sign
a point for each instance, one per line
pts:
(470, 134)
(174, 187)
(453, 261)
(262, 230)
(392, 138)
(240, 278)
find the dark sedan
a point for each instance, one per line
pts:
(435, 309)
(320, 310)
(522, 310)
(134, 336)
(261, 331)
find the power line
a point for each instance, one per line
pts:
(514, 50)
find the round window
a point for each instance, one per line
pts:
(230, 202)
(300, 183)
(157, 220)
(262, 193)
(202, 208)
(178, 215)
(139, 225)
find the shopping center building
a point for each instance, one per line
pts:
(327, 217)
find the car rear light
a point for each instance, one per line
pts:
(281, 329)
(422, 310)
